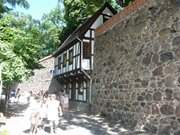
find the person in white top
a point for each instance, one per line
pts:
(53, 110)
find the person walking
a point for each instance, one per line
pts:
(43, 111)
(53, 110)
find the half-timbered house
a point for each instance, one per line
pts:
(74, 57)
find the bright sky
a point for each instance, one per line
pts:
(38, 7)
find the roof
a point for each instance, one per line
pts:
(79, 31)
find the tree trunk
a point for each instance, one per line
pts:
(6, 100)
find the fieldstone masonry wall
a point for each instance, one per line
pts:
(136, 77)
(42, 78)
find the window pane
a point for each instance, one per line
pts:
(70, 90)
(59, 62)
(70, 56)
(64, 59)
(86, 50)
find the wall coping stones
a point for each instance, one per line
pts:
(120, 16)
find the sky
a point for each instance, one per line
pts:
(38, 7)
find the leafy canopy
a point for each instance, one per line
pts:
(77, 11)
(23, 40)
(19, 48)
(13, 3)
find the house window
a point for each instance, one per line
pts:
(86, 50)
(122, 3)
(71, 57)
(59, 62)
(70, 90)
(64, 59)
(81, 91)
(105, 18)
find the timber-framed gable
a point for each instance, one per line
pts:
(74, 58)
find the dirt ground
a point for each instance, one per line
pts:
(75, 123)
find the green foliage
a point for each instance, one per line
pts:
(21, 3)
(19, 48)
(77, 11)
(127, 2)
(99, 3)
(50, 27)
(23, 40)
(13, 3)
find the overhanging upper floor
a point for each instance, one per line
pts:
(77, 51)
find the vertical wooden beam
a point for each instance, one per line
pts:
(91, 50)
(81, 52)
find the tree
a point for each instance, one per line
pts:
(77, 11)
(51, 27)
(124, 3)
(13, 3)
(19, 49)
(22, 3)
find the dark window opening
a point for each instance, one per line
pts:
(86, 50)
(64, 59)
(70, 56)
(59, 62)
(105, 18)
(81, 91)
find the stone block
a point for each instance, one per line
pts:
(177, 132)
(176, 41)
(164, 130)
(178, 111)
(144, 83)
(176, 26)
(166, 56)
(148, 97)
(147, 109)
(177, 96)
(147, 59)
(155, 109)
(174, 125)
(167, 120)
(170, 81)
(150, 128)
(140, 98)
(155, 58)
(164, 32)
(168, 93)
(177, 53)
(167, 109)
(158, 71)
(170, 69)
(157, 96)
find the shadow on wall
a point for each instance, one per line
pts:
(54, 86)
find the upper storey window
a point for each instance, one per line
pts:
(86, 50)
(59, 62)
(70, 56)
(105, 17)
(64, 59)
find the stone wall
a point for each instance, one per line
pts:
(136, 77)
(42, 78)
